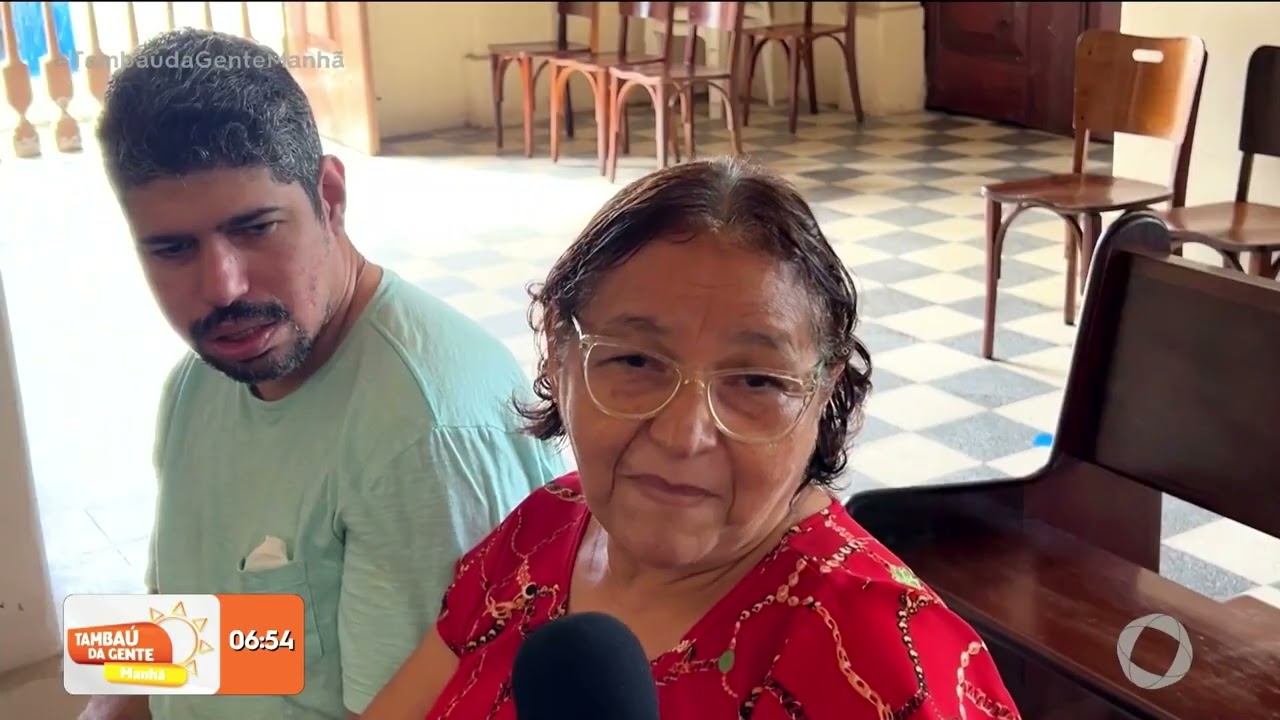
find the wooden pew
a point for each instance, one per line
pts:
(1174, 388)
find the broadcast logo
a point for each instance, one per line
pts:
(1142, 677)
(183, 644)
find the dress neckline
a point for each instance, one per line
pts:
(583, 522)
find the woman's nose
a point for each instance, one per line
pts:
(686, 426)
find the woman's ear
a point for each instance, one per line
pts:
(555, 361)
(555, 350)
(831, 381)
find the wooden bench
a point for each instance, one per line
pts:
(1174, 388)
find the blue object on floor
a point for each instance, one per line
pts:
(1043, 440)
(28, 25)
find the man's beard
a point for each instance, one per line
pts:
(268, 367)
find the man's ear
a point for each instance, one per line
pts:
(333, 192)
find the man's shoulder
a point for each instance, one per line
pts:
(410, 315)
(188, 377)
(426, 351)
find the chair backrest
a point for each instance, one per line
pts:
(1260, 118)
(850, 16)
(663, 12)
(715, 16)
(646, 10)
(578, 9)
(724, 16)
(1139, 86)
(589, 10)
(1174, 379)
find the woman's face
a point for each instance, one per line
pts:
(673, 489)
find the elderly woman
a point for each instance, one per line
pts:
(700, 358)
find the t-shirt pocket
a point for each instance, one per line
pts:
(288, 579)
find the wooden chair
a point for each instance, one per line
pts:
(666, 80)
(797, 40)
(754, 14)
(528, 54)
(1051, 568)
(595, 68)
(1123, 84)
(1242, 227)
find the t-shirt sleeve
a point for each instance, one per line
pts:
(463, 601)
(530, 541)
(892, 651)
(164, 419)
(405, 525)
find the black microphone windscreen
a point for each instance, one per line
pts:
(587, 665)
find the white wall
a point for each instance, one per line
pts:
(1231, 31)
(28, 624)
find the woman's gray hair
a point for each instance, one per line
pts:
(757, 206)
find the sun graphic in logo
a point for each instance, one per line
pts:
(179, 627)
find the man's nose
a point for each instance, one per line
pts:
(223, 275)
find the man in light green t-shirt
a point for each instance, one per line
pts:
(337, 433)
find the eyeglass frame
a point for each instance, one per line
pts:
(589, 341)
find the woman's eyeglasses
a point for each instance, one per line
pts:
(750, 405)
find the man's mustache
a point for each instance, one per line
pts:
(238, 310)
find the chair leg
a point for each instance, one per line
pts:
(794, 53)
(1260, 264)
(674, 131)
(625, 126)
(749, 66)
(1092, 230)
(555, 104)
(604, 123)
(715, 57)
(732, 122)
(526, 82)
(617, 113)
(812, 77)
(1073, 264)
(662, 126)
(568, 112)
(686, 117)
(770, 91)
(851, 68)
(993, 213)
(497, 69)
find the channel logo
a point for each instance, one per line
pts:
(183, 644)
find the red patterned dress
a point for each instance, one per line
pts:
(829, 625)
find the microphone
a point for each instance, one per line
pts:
(587, 666)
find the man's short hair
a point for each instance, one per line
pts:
(191, 100)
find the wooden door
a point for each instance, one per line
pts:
(328, 51)
(1008, 61)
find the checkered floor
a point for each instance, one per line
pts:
(896, 196)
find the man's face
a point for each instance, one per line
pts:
(240, 265)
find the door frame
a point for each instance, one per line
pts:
(342, 98)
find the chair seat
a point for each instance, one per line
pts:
(1229, 225)
(518, 49)
(784, 31)
(599, 61)
(1080, 193)
(675, 72)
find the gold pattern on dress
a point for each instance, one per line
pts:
(686, 658)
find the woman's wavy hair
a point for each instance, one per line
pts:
(725, 195)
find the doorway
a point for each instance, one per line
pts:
(1009, 62)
